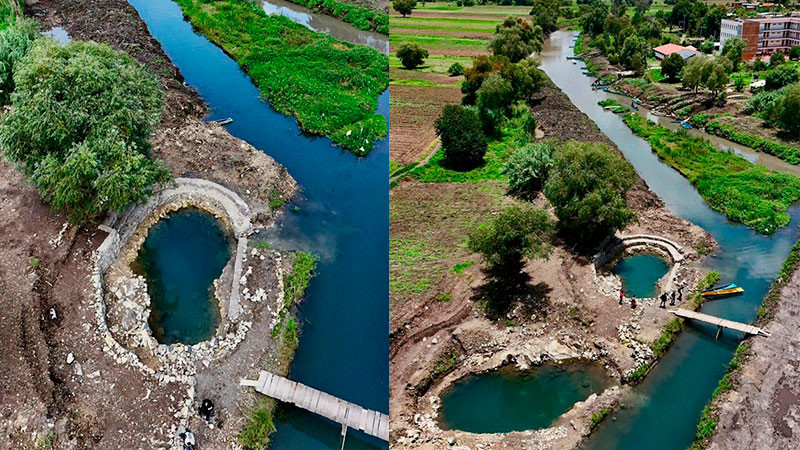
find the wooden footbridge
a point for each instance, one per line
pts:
(345, 413)
(719, 322)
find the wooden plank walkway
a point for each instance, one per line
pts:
(345, 413)
(719, 322)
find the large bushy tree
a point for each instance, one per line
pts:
(789, 118)
(545, 14)
(527, 168)
(516, 39)
(411, 55)
(781, 76)
(634, 54)
(516, 233)
(587, 187)
(404, 7)
(463, 141)
(733, 50)
(79, 127)
(15, 41)
(671, 66)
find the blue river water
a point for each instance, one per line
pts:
(342, 215)
(666, 406)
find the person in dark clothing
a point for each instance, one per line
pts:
(633, 302)
(621, 296)
(672, 299)
(680, 293)
(663, 300)
(206, 410)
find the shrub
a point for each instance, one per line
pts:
(794, 53)
(516, 233)
(79, 127)
(494, 98)
(463, 141)
(777, 59)
(455, 69)
(15, 41)
(411, 55)
(587, 187)
(528, 167)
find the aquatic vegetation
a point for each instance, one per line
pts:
(744, 192)
(597, 417)
(296, 282)
(259, 428)
(357, 16)
(330, 87)
(787, 153)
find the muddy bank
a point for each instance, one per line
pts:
(58, 385)
(763, 408)
(569, 308)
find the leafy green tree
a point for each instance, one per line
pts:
(516, 39)
(594, 19)
(494, 101)
(789, 118)
(794, 53)
(777, 59)
(463, 141)
(455, 69)
(733, 50)
(545, 14)
(671, 66)
(411, 55)
(717, 79)
(482, 66)
(527, 168)
(634, 46)
(404, 7)
(79, 127)
(781, 76)
(526, 78)
(693, 72)
(516, 233)
(15, 41)
(587, 187)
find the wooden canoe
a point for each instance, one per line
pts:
(722, 291)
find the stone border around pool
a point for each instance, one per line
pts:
(178, 360)
(621, 245)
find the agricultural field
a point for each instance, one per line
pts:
(450, 34)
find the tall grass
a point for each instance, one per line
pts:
(331, 87)
(744, 192)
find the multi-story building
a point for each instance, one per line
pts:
(764, 36)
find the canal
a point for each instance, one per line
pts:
(665, 408)
(341, 215)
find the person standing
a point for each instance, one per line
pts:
(633, 302)
(663, 300)
(672, 299)
(621, 296)
(680, 293)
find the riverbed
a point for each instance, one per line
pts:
(664, 409)
(340, 215)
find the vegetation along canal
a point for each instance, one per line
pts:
(180, 258)
(640, 273)
(668, 402)
(342, 218)
(503, 401)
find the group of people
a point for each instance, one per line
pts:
(206, 411)
(664, 297)
(671, 295)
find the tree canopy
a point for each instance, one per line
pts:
(516, 39)
(411, 55)
(404, 7)
(463, 142)
(587, 187)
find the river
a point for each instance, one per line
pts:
(342, 215)
(665, 407)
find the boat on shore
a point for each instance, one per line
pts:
(722, 291)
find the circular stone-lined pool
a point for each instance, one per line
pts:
(509, 400)
(640, 273)
(180, 259)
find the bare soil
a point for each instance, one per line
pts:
(47, 316)
(413, 110)
(562, 310)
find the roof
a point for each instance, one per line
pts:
(668, 49)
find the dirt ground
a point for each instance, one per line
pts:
(57, 385)
(413, 110)
(564, 310)
(763, 410)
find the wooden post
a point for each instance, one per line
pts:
(344, 433)
(719, 331)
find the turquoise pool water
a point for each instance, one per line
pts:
(180, 258)
(640, 273)
(510, 400)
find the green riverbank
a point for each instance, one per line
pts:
(330, 87)
(745, 192)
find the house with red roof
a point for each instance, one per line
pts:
(662, 51)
